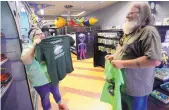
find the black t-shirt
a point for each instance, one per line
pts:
(55, 51)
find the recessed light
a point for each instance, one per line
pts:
(68, 6)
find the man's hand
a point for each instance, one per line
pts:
(109, 57)
(117, 64)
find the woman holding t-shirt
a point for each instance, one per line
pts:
(37, 72)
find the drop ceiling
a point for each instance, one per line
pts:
(58, 8)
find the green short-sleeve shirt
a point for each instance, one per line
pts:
(36, 72)
(112, 73)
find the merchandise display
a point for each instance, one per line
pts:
(160, 96)
(161, 84)
(165, 86)
(162, 74)
(5, 87)
(13, 77)
(88, 30)
(105, 42)
(3, 57)
(5, 78)
(165, 55)
(2, 87)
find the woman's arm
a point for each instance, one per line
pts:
(28, 57)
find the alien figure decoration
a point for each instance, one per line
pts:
(82, 49)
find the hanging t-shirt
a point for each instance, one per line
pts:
(113, 97)
(36, 72)
(55, 51)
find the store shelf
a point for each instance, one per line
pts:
(6, 88)
(111, 38)
(1, 63)
(9, 37)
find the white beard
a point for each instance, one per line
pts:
(129, 26)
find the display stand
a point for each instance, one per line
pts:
(162, 72)
(14, 87)
(105, 42)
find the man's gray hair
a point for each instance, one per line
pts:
(145, 13)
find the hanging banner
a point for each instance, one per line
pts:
(84, 45)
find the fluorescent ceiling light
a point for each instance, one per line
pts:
(81, 13)
(73, 15)
(42, 12)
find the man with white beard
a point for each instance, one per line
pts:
(137, 54)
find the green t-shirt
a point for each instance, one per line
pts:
(112, 73)
(36, 72)
(55, 51)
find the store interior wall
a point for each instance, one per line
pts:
(115, 14)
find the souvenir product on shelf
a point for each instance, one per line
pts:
(165, 86)
(3, 57)
(5, 78)
(160, 96)
(162, 74)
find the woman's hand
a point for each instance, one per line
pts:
(36, 41)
